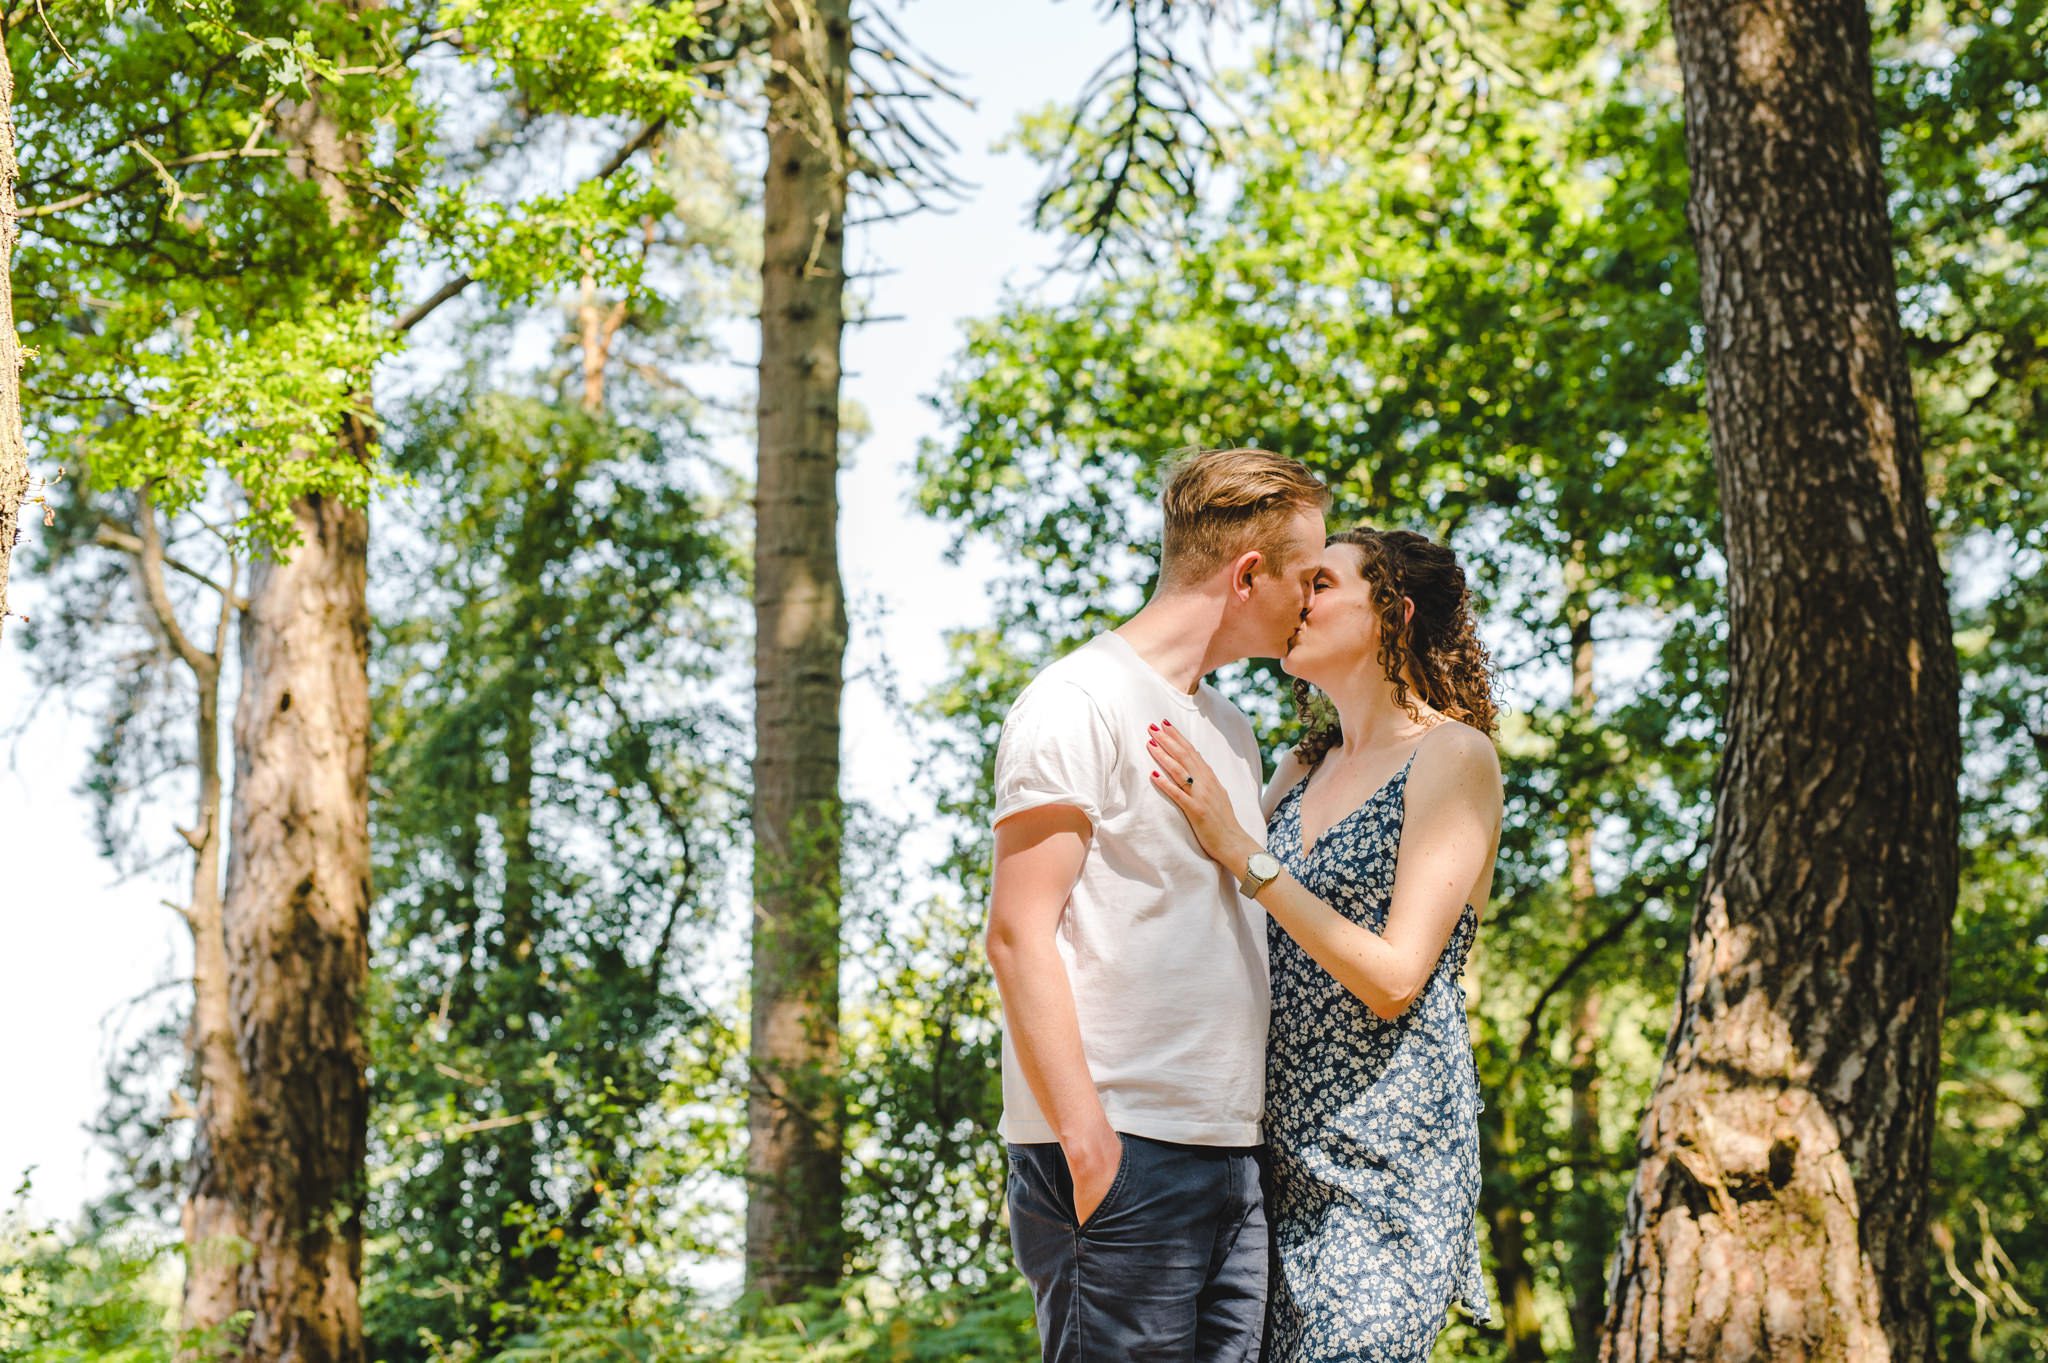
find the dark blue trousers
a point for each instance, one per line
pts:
(1171, 1268)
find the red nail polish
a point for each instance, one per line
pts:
(1155, 776)
(1169, 724)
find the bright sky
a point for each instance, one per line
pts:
(78, 946)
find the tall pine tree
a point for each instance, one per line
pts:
(795, 1186)
(1780, 1207)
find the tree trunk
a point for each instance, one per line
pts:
(528, 1268)
(597, 324)
(13, 448)
(1780, 1208)
(210, 1035)
(274, 1222)
(795, 1193)
(524, 1266)
(1500, 1203)
(1586, 1218)
(1586, 1228)
(210, 1038)
(1502, 1194)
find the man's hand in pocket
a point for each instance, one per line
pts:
(1093, 1164)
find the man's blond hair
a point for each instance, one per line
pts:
(1223, 503)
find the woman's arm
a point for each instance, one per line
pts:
(1451, 821)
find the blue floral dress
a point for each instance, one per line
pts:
(1372, 1127)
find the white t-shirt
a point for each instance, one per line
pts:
(1167, 960)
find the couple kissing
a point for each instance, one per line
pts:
(1238, 1088)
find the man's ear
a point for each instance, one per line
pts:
(1244, 570)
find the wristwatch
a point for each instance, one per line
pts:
(1259, 872)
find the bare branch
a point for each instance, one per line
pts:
(111, 534)
(1137, 142)
(148, 559)
(161, 169)
(461, 1129)
(1608, 937)
(897, 143)
(419, 312)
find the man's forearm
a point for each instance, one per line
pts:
(1045, 1032)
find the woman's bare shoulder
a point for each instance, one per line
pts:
(1457, 753)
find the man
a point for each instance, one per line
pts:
(1133, 973)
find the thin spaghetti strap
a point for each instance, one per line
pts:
(1412, 752)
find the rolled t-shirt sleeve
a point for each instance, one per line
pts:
(1055, 750)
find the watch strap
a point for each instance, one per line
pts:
(1250, 883)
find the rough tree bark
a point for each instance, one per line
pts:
(274, 1220)
(1780, 1207)
(13, 448)
(795, 1192)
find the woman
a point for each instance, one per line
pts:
(1384, 821)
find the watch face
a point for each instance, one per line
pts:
(1262, 866)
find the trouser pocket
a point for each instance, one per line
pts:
(1126, 1154)
(1040, 1177)
(1158, 1274)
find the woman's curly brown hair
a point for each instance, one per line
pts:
(1440, 647)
